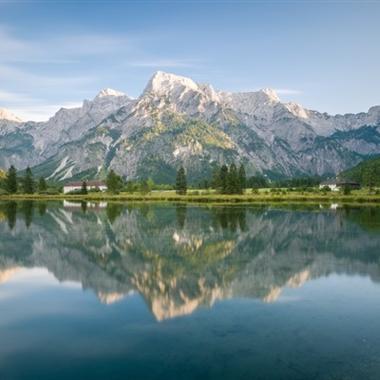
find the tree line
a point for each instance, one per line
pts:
(229, 180)
(224, 179)
(13, 183)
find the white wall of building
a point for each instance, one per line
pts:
(68, 189)
(332, 187)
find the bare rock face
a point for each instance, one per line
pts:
(177, 121)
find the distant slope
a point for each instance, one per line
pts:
(362, 172)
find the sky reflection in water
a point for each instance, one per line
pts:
(182, 292)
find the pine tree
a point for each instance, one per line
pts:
(215, 178)
(42, 186)
(232, 180)
(114, 182)
(11, 180)
(144, 187)
(369, 177)
(242, 179)
(28, 182)
(181, 182)
(223, 179)
(84, 188)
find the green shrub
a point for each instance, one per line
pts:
(346, 190)
(56, 192)
(325, 189)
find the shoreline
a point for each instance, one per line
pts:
(202, 198)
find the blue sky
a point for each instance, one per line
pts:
(324, 55)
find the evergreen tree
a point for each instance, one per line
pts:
(144, 187)
(42, 186)
(215, 178)
(257, 182)
(150, 184)
(223, 179)
(369, 177)
(242, 179)
(114, 182)
(28, 182)
(84, 188)
(232, 180)
(181, 182)
(11, 180)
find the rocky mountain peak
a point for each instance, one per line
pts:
(163, 83)
(8, 115)
(109, 92)
(271, 94)
(297, 110)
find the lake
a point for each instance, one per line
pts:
(150, 291)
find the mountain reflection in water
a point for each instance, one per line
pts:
(179, 258)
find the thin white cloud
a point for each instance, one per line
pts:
(169, 63)
(40, 112)
(24, 78)
(59, 49)
(31, 109)
(14, 97)
(287, 91)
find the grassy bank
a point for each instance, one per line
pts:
(209, 197)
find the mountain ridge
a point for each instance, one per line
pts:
(176, 121)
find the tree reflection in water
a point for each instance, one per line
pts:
(182, 257)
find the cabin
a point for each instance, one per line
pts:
(337, 184)
(91, 185)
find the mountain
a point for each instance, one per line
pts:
(177, 121)
(31, 143)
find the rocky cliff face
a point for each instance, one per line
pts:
(176, 122)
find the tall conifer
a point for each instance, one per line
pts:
(242, 179)
(28, 182)
(223, 179)
(181, 182)
(11, 180)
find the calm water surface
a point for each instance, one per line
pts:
(97, 291)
